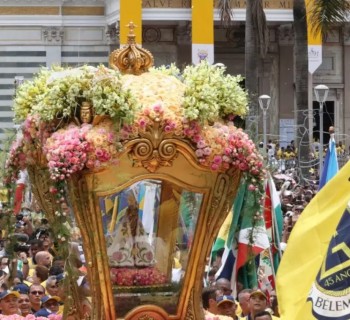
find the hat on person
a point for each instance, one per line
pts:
(222, 299)
(259, 293)
(6, 293)
(60, 277)
(45, 299)
(21, 288)
(287, 193)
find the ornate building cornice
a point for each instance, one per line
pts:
(53, 35)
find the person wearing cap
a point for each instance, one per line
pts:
(49, 305)
(257, 303)
(209, 296)
(9, 302)
(227, 306)
(54, 287)
(21, 288)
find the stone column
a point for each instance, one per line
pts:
(286, 78)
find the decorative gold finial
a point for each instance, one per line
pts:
(132, 59)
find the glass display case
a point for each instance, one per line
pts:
(148, 229)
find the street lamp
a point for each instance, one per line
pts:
(264, 103)
(321, 93)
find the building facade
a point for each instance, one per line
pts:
(37, 33)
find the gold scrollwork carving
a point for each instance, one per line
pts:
(155, 160)
(154, 149)
(143, 149)
(220, 189)
(190, 308)
(146, 317)
(167, 150)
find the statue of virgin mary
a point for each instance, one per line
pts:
(130, 245)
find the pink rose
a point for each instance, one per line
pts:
(214, 166)
(217, 160)
(158, 108)
(251, 187)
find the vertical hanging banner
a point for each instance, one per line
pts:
(314, 40)
(202, 31)
(130, 11)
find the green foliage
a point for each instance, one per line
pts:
(326, 13)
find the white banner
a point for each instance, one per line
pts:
(315, 57)
(202, 52)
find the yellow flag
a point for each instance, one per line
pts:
(314, 40)
(225, 228)
(307, 246)
(202, 30)
(130, 11)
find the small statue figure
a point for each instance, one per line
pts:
(130, 246)
(85, 113)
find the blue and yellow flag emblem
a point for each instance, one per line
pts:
(330, 294)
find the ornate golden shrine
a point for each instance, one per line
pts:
(149, 215)
(218, 190)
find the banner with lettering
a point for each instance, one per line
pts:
(314, 40)
(202, 31)
(330, 293)
(313, 279)
(130, 11)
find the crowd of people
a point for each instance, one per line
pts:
(31, 271)
(250, 304)
(261, 302)
(285, 158)
(31, 281)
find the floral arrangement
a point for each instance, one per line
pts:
(104, 145)
(224, 146)
(57, 93)
(194, 105)
(35, 134)
(211, 95)
(137, 277)
(30, 317)
(66, 151)
(30, 93)
(15, 161)
(73, 148)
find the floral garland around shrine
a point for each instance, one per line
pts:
(196, 105)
